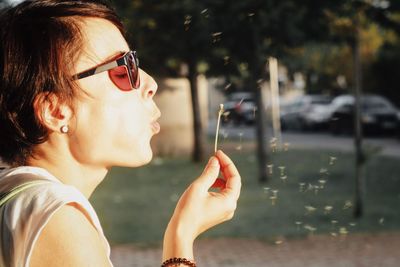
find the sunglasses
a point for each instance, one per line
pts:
(123, 71)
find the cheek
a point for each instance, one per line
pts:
(112, 131)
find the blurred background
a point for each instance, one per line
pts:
(311, 118)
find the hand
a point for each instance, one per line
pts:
(198, 209)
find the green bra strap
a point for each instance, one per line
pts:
(13, 192)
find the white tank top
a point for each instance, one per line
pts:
(23, 217)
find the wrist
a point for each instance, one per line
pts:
(177, 243)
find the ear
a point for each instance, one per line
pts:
(51, 112)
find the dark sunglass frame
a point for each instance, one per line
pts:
(121, 61)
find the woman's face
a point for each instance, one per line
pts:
(111, 127)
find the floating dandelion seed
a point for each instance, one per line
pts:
(273, 147)
(266, 190)
(332, 160)
(272, 143)
(310, 209)
(225, 135)
(323, 171)
(310, 187)
(298, 223)
(343, 231)
(282, 169)
(221, 110)
(278, 242)
(226, 114)
(328, 209)
(286, 146)
(251, 14)
(302, 187)
(310, 228)
(322, 183)
(188, 20)
(226, 61)
(239, 147)
(316, 188)
(273, 199)
(204, 11)
(347, 205)
(216, 36)
(381, 221)
(270, 168)
(229, 84)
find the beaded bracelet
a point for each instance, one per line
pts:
(184, 261)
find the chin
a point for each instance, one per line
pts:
(136, 160)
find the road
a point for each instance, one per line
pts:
(388, 146)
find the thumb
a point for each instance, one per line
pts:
(210, 173)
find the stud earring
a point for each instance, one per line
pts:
(64, 129)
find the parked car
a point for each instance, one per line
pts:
(239, 109)
(378, 115)
(308, 112)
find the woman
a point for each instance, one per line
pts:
(74, 103)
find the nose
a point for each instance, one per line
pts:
(149, 85)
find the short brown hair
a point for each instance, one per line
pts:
(39, 42)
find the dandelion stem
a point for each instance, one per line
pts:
(221, 110)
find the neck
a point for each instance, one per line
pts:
(84, 177)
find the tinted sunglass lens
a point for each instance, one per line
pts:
(119, 76)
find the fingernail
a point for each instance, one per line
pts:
(213, 161)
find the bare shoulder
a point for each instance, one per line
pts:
(69, 239)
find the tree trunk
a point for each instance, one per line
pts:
(261, 136)
(359, 182)
(198, 149)
(257, 72)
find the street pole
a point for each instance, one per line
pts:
(274, 84)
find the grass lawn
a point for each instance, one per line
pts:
(134, 205)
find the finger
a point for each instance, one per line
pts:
(219, 183)
(210, 173)
(230, 173)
